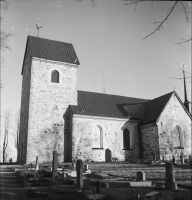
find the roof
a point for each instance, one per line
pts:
(50, 49)
(98, 104)
(153, 108)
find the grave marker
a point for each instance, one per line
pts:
(108, 155)
(79, 174)
(170, 183)
(54, 164)
(36, 164)
(141, 176)
(190, 160)
(74, 166)
(86, 167)
(98, 187)
(182, 159)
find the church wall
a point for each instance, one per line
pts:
(149, 140)
(112, 129)
(172, 116)
(48, 102)
(24, 110)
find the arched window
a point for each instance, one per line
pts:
(126, 139)
(55, 76)
(178, 137)
(98, 137)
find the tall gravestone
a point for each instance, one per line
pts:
(108, 155)
(36, 164)
(170, 183)
(79, 174)
(54, 164)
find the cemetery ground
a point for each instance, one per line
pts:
(154, 172)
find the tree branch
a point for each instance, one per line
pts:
(184, 40)
(187, 18)
(160, 25)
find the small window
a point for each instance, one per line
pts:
(98, 137)
(55, 76)
(126, 139)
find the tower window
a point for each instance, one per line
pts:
(55, 76)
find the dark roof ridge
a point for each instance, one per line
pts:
(114, 95)
(47, 39)
(170, 93)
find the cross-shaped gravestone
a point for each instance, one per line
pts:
(79, 174)
(54, 164)
(141, 176)
(170, 183)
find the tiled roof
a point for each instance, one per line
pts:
(51, 50)
(154, 107)
(98, 104)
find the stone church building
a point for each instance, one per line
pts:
(86, 125)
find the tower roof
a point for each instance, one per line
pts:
(50, 49)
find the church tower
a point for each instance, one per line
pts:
(49, 85)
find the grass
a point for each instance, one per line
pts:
(152, 171)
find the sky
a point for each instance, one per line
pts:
(108, 42)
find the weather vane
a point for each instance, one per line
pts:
(38, 27)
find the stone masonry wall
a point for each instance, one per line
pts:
(24, 111)
(82, 142)
(172, 116)
(48, 103)
(149, 141)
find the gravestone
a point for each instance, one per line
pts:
(63, 177)
(108, 155)
(54, 164)
(170, 183)
(98, 187)
(190, 160)
(74, 166)
(86, 167)
(36, 164)
(141, 176)
(182, 159)
(79, 174)
(173, 160)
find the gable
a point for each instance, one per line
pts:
(174, 110)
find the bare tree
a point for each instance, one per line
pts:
(170, 11)
(161, 23)
(4, 36)
(17, 123)
(7, 125)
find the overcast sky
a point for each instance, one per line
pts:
(108, 41)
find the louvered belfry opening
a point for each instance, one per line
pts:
(55, 76)
(126, 139)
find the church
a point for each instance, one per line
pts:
(87, 125)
